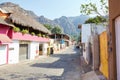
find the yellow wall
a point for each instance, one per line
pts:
(103, 54)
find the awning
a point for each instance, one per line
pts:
(4, 39)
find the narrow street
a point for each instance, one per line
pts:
(64, 65)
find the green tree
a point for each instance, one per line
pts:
(91, 8)
(48, 26)
(56, 30)
(96, 20)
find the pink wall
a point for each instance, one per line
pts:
(20, 36)
(10, 33)
(4, 29)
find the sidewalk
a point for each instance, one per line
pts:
(88, 73)
(90, 76)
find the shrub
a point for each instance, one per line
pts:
(39, 35)
(32, 33)
(16, 29)
(43, 36)
(25, 31)
(47, 36)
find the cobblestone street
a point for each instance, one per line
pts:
(64, 65)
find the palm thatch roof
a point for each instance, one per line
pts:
(18, 16)
(3, 11)
(2, 21)
(28, 22)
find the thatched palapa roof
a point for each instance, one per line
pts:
(27, 21)
(18, 16)
(2, 21)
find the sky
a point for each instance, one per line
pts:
(52, 8)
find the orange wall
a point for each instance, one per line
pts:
(114, 12)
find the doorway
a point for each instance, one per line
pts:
(40, 49)
(23, 52)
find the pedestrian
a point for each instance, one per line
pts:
(51, 50)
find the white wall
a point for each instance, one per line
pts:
(86, 53)
(33, 50)
(62, 46)
(86, 32)
(58, 47)
(98, 28)
(52, 42)
(3, 54)
(45, 46)
(13, 54)
(55, 46)
(88, 29)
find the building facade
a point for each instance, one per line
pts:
(16, 46)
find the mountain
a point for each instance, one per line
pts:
(45, 20)
(68, 24)
(78, 19)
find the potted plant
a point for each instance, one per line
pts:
(25, 31)
(43, 36)
(33, 33)
(16, 29)
(39, 35)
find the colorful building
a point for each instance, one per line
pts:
(21, 36)
(60, 41)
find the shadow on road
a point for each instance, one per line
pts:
(69, 60)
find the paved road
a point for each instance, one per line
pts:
(64, 65)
